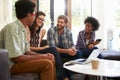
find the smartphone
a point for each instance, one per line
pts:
(69, 64)
(98, 40)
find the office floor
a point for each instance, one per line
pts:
(78, 77)
(81, 77)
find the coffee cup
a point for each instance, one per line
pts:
(95, 63)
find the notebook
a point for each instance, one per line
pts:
(94, 54)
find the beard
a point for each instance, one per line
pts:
(59, 29)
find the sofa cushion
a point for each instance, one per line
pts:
(25, 76)
(111, 55)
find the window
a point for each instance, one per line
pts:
(108, 15)
(44, 5)
(80, 10)
(112, 23)
(59, 8)
(5, 12)
(106, 11)
(13, 10)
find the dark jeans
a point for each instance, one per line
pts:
(64, 55)
(59, 69)
(86, 52)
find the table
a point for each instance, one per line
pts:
(107, 68)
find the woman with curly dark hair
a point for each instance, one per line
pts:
(86, 38)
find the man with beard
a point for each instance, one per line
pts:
(60, 37)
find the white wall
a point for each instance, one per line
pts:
(5, 12)
(97, 12)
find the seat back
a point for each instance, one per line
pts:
(4, 65)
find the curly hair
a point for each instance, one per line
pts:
(93, 21)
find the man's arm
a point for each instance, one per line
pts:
(69, 51)
(69, 35)
(61, 50)
(24, 58)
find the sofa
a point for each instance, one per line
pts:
(4, 66)
(111, 55)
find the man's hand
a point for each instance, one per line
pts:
(71, 51)
(28, 57)
(48, 56)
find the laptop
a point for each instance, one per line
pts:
(94, 54)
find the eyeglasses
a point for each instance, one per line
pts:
(41, 19)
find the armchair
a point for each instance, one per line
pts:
(4, 66)
(5, 72)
